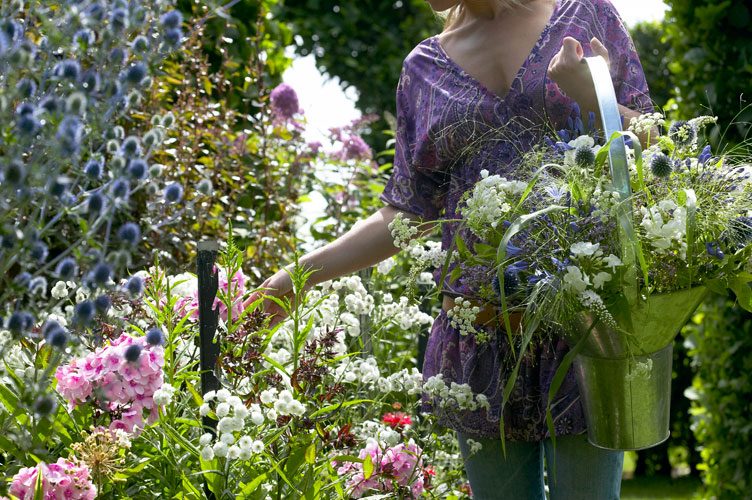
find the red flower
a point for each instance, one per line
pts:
(396, 420)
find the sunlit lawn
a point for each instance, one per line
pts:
(654, 488)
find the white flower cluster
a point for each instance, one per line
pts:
(585, 283)
(366, 371)
(232, 414)
(429, 254)
(379, 432)
(474, 446)
(665, 225)
(489, 202)
(61, 289)
(403, 313)
(462, 315)
(286, 404)
(357, 300)
(402, 231)
(643, 124)
(163, 396)
(640, 370)
(386, 266)
(604, 201)
(456, 395)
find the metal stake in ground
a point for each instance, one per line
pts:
(208, 318)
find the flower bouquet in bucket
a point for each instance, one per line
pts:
(615, 248)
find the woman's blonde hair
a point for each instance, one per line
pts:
(458, 12)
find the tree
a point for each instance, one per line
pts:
(653, 49)
(711, 60)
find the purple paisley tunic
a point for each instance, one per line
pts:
(449, 128)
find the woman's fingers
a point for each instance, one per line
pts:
(599, 49)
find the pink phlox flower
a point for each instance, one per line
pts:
(61, 480)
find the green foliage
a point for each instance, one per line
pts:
(361, 43)
(711, 60)
(720, 341)
(653, 49)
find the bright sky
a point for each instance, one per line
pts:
(326, 105)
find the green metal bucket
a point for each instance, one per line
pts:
(624, 370)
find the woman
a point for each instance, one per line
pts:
(476, 97)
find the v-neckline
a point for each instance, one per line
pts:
(520, 71)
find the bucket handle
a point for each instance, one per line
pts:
(619, 167)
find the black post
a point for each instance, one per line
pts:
(208, 283)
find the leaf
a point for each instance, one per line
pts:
(310, 454)
(338, 406)
(743, 292)
(39, 486)
(253, 485)
(367, 467)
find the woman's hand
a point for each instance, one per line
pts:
(278, 285)
(568, 70)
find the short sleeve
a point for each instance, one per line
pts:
(415, 185)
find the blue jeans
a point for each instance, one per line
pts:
(582, 471)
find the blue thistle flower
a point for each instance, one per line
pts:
(132, 353)
(27, 124)
(49, 326)
(25, 108)
(140, 44)
(44, 405)
(135, 286)
(204, 187)
(69, 134)
(172, 19)
(704, 155)
(57, 338)
(90, 81)
(85, 312)
(93, 169)
(118, 20)
(682, 133)
(66, 268)
(20, 322)
(584, 157)
(173, 37)
(38, 285)
(95, 11)
(135, 73)
(154, 337)
(101, 274)
(714, 250)
(120, 189)
(69, 69)
(660, 165)
(22, 279)
(15, 173)
(57, 186)
(84, 37)
(102, 304)
(137, 169)
(95, 203)
(173, 193)
(12, 30)
(26, 87)
(129, 233)
(50, 104)
(39, 252)
(741, 230)
(9, 238)
(118, 55)
(131, 147)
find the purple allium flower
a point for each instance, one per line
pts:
(68, 68)
(135, 73)
(69, 134)
(102, 304)
(15, 173)
(284, 101)
(172, 19)
(154, 336)
(120, 188)
(38, 285)
(101, 273)
(137, 169)
(131, 147)
(173, 37)
(93, 169)
(85, 312)
(118, 20)
(39, 251)
(135, 286)
(132, 353)
(173, 193)
(95, 203)
(66, 268)
(22, 279)
(26, 87)
(314, 146)
(129, 233)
